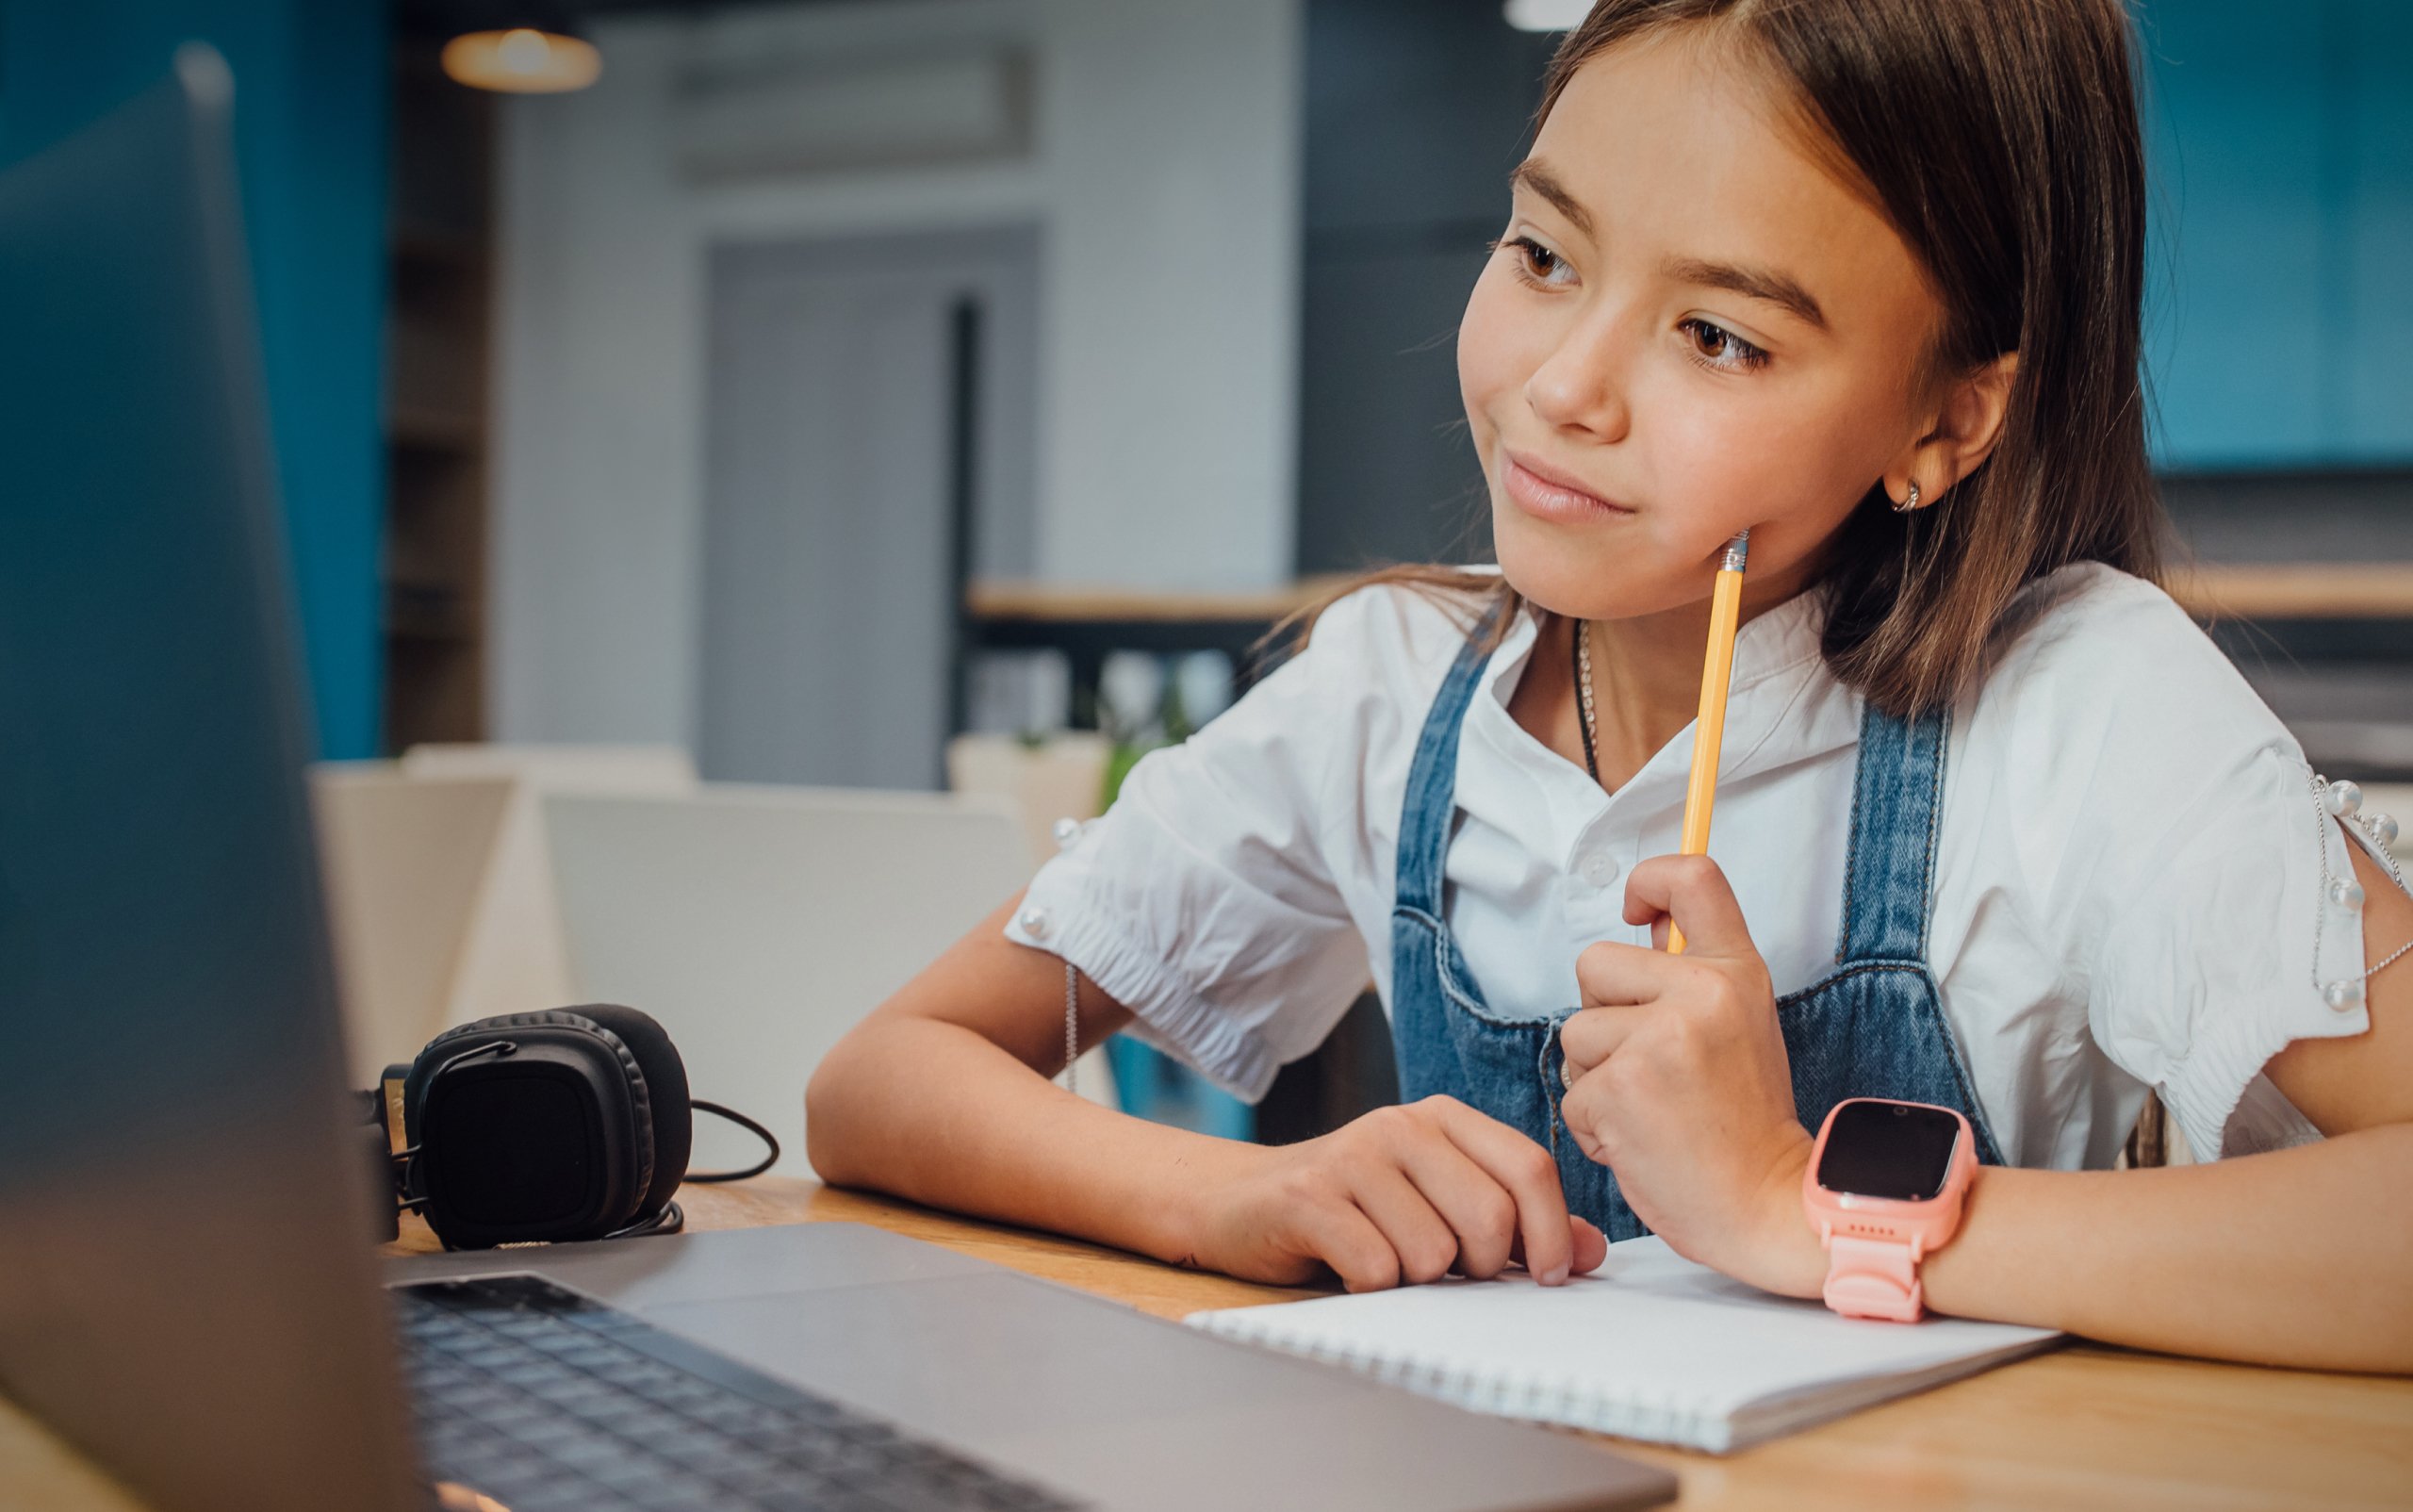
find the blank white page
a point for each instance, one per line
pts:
(1648, 1346)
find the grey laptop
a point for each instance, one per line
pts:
(187, 1287)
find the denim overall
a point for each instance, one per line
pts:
(1871, 1027)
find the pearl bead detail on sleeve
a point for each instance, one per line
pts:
(2344, 799)
(2345, 997)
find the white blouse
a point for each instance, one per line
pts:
(2128, 893)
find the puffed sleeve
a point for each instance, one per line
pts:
(1204, 900)
(2222, 959)
(2188, 869)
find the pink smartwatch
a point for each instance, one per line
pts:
(1884, 1186)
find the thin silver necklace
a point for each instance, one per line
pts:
(1072, 1026)
(1583, 696)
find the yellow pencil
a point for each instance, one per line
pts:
(1709, 726)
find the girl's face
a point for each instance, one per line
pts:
(1689, 328)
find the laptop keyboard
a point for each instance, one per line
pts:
(539, 1399)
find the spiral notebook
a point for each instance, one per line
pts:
(1650, 1346)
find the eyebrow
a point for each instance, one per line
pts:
(1751, 283)
(1534, 176)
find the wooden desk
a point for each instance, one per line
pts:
(2079, 1427)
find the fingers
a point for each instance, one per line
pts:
(1341, 1236)
(1591, 1245)
(1612, 975)
(1590, 1038)
(1530, 1177)
(1694, 893)
(1422, 1241)
(1481, 1214)
(1406, 1195)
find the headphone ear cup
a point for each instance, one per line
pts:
(665, 1081)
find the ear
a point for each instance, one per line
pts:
(1966, 425)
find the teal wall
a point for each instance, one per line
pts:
(311, 90)
(2279, 324)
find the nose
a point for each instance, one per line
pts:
(1581, 386)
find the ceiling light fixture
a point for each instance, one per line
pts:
(522, 49)
(1548, 15)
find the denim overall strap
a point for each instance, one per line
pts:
(1897, 806)
(1875, 1026)
(1448, 1042)
(1426, 817)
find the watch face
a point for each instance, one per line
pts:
(1881, 1149)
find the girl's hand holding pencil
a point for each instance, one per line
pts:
(1679, 1082)
(1677, 1073)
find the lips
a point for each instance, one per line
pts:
(1550, 495)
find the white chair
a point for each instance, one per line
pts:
(439, 884)
(405, 865)
(758, 923)
(561, 768)
(515, 957)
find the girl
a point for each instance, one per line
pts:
(1997, 828)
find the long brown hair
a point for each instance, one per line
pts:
(2000, 137)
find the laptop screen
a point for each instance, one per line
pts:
(185, 1284)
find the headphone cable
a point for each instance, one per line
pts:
(767, 1138)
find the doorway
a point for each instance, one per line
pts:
(869, 444)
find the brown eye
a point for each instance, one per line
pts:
(1536, 264)
(1716, 347)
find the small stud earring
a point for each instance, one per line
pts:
(1910, 502)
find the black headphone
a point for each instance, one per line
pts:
(570, 1123)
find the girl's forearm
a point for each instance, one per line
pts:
(2300, 1257)
(935, 1113)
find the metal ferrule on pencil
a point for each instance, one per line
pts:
(1738, 550)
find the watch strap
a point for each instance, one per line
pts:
(1874, 1278)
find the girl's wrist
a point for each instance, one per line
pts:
(1194, 1195)
(1786, 1255)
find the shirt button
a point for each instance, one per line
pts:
(1599, 868)
(1034, 923)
